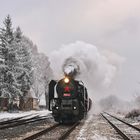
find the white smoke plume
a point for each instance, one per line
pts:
(71, 67)
(97, 69)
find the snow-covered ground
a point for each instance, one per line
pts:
(83, 131)
(7, 115)
(94, 128)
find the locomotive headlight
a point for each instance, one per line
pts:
(74, 107)
(66, 80)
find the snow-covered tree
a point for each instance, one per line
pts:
(8, 84)
(42, 75)
(15, 62)
(23, 57)
(22, 69)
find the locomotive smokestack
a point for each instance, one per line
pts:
(71, 67)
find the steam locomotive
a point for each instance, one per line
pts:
(68, 100)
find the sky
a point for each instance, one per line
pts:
(112, 25)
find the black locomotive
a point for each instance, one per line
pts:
(68, 100)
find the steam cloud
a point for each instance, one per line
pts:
(84, 61)
(71, 67)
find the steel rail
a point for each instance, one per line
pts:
(136, 128)
(36, 135)
(22, 122)
(17, 123)
(116, 128)
(67, 133)
(13, 120)
(43, 132)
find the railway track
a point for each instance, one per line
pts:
(21, 121)
(49, 133)
(13, 120)
(124, 129)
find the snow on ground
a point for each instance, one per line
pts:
(136, 123)
(98, 137)
(7, 115)
(96, 128)
(84, 129)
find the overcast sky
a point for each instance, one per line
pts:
(108, 24)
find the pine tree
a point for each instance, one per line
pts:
(18, 34)
(6, 32)
(23, 57)
(8, 84)
(21, 66)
